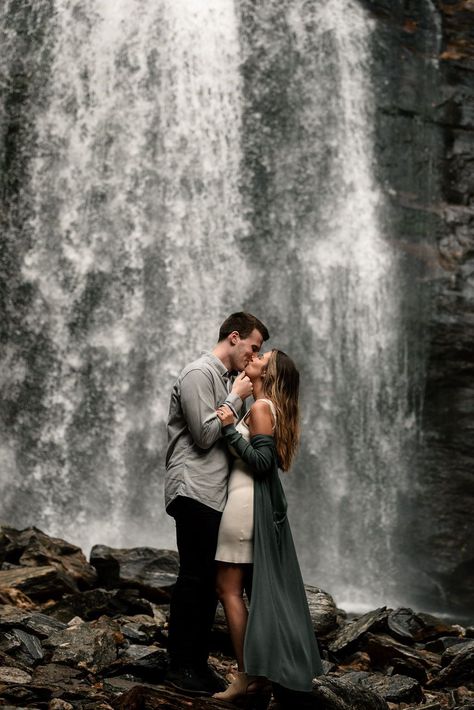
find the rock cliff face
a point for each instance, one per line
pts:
(424, 68)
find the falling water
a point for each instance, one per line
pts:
(334, 289)
(179, 160)
(135, 211)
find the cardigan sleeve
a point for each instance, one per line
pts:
(259, 453)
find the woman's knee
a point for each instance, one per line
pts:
(229, 586)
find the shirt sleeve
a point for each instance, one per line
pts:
(234, 402)
(199, 408)
(259, 453)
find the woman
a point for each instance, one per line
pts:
(275, 640)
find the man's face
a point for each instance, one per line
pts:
(245, 348)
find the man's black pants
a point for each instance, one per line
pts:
(194, 600)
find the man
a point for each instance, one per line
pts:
(197, 468)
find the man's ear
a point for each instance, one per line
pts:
(234, 337)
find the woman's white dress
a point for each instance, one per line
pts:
(235, 541)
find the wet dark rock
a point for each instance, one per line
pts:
(9, 642)
(56, 675)
(454, 651)
(328, 666)
(39, 583)
(41, 624)
(139, 629)
(90, 645)
(358, 661)
(404, 623)
(460, 670)
(22, 694)
(354, 630)
(92, 604)
(148, 663)
(328, 694)
(322, 609)
(15, 676)
(383, 650)
(22, 646)
(432, 627)
(71, 685)
(394, 688)
(382, 657)
(442, 643)
(7, 661)
(409, 667)
(33, 621)
(153, 572)
(14, 597)
(58, 704)
(140, 697)
(343, 694)
(33, 548)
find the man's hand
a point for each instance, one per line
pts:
(225, 415)
(242, 386)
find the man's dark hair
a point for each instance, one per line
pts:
(244, 324)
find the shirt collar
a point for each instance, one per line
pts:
(218, 364)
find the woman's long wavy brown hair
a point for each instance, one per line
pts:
(282, 385)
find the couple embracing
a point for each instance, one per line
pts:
(222, 487)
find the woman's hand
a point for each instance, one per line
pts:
(225, 415)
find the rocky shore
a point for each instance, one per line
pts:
(78, 634)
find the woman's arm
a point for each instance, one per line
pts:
(260, 453)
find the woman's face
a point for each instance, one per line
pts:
(258, 365)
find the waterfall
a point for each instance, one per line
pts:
(335, 285)
(177, 161)
(135, 211)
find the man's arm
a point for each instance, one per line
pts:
(199, 407)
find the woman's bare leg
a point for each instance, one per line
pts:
(230, 588)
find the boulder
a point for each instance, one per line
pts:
(404, 624)
(39, 583)
(383, 649)
(358, 661)
(395, 688)
(57, 675)
(145, 697)
(148, 663)
(353, 631)
(460, 670)
(14, 597)
(15, 676)
(139, 629)
(22, 646)
(33, 548)
(34, 622)
(93, 603)
(409, 667)
(342, 694)
(454, 651)
(432, 627)
(58, 704)
(153, 572)
(442, 643)
(323, 610)
(89, 645)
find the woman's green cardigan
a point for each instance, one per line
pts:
(279, 642)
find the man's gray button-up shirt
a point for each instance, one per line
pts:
(197, 460)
